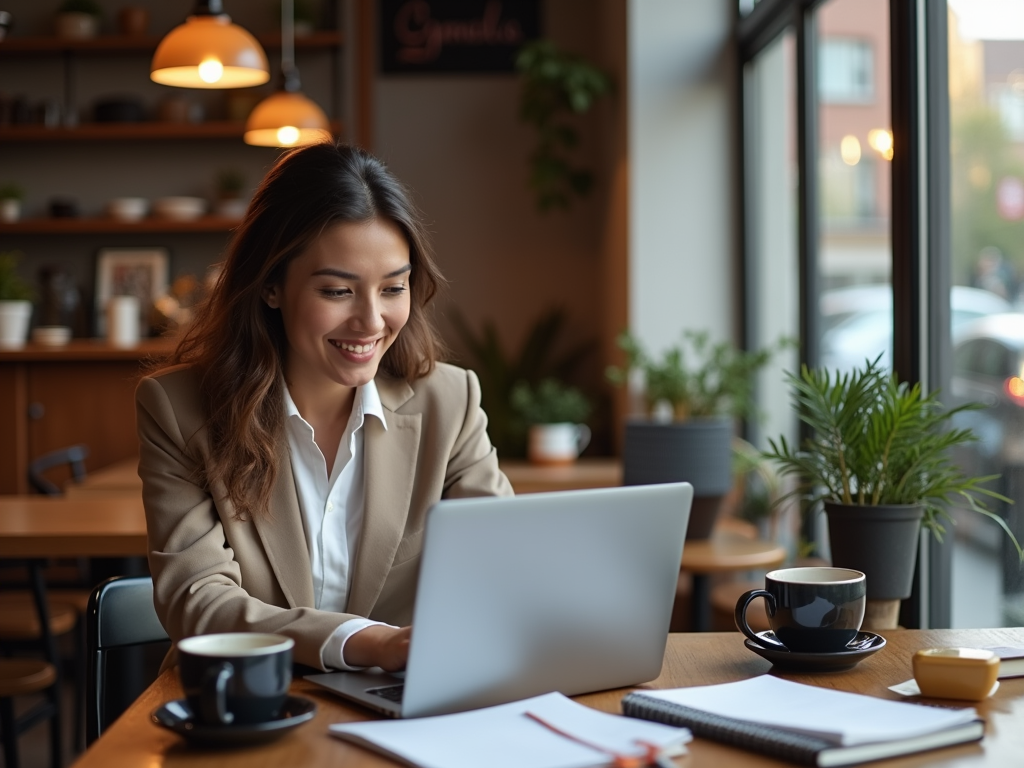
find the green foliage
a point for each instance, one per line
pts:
(878, 441)
(719, 380)
(12, 287)
(982, 154)
(550, 402)
(230, 182)
(557, 85)
(90, 7)
(499, 372)
(11, 191)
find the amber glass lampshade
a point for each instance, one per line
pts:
(286, 119)
(208, 51)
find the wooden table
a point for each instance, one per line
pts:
(726, 551)
(42, 526)
(122, 478)
(690, 659)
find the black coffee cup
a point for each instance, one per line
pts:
(810, 610)
(235, 679)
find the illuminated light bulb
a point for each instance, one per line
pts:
(1015, 386)
(887, 154)
(211, 71)
(287, 135)
(849, 149)
(880, 141)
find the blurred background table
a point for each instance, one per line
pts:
(44, 526)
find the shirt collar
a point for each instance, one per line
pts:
(367, 403)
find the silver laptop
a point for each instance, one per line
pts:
(523, 595)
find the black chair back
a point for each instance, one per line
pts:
(126, 645)
(74, 456)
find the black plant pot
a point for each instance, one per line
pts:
(881, 541)
(698, 451)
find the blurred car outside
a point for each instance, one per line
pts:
(856, 322)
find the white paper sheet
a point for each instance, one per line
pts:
(504, 737)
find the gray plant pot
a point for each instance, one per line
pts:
(880, 541)
(698, 451)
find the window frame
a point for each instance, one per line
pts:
(920, 215)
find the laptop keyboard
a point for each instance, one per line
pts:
(389, 692)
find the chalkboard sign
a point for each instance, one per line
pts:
(455, 35)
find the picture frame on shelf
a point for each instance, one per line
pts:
(139, 272)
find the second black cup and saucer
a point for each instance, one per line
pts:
(236, 690)
(177, 716)
(815, 615)
(858, 649)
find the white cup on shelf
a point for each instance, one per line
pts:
(123, 321)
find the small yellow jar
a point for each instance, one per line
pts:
(956, 673)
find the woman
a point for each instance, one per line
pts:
(291, 448)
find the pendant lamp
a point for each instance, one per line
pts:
(208, 51)
(287, 118)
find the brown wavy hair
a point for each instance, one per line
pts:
(237, 343)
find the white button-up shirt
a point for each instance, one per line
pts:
(332, 509)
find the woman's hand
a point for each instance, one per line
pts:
(379, 646)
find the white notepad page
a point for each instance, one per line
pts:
(504, 737)
(837, 716)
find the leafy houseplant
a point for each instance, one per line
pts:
(699, 387)
(78, 19)
(879, 462)
(554, 414)
(15, 303)
(500, 372)
(556, 86)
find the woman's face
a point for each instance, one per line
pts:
(343, 301)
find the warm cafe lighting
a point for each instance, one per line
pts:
(208, 51)
(1015, 389)
(880, 140)
(287, 118)
(849, 148)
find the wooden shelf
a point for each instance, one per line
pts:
(144, 43)
(90, 349)
(112, 226)
(212, 129)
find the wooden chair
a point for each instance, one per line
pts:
(126, 645)
(21, 676)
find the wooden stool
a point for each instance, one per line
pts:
(19, 619)
(17, 678)
(723, 607)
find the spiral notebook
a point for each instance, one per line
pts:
(806, 724)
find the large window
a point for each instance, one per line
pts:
(986, 102)
(909, 219)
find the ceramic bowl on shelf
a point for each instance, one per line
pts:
(128, 208)
(179, 208)
(51, 335)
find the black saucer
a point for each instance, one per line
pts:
(862, 646)
(176, 716)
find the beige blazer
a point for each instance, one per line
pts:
(213, 573)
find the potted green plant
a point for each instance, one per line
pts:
(879, 463)
(11, 196)
(15, 303)
(230, 184)
(554, 414)
(78, 19)
(693, 394)
(556, 87)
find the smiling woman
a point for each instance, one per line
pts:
(293, 445)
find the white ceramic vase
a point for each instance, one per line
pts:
(14, 320)
(554, 444)
(10, 209)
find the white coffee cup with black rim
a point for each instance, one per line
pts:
(237, 678)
